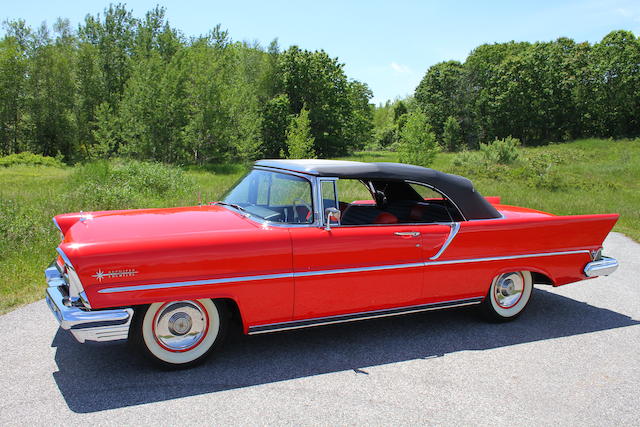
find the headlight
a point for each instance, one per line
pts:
(76, 291)
(75, 286)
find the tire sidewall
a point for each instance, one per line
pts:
(501, 313)
(178, 359)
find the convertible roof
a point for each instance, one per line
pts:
(459, 189)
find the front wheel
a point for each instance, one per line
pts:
(508, 296)
(179, 334)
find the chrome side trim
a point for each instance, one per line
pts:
(325, 272)
(195, 283)
(498, 258)
(65, 258)
(357, 269)
(455, 226)
(601, 267)
(319, 321)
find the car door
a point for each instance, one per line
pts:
(349, 269)
(355, 269)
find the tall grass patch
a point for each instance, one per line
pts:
(124, 184)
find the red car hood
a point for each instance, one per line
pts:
(118, 233)
(149, 224)
(115, 248)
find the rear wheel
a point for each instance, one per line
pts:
(179, 334)
(508, 296)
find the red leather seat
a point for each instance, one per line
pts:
(386, 218)
(416, 213)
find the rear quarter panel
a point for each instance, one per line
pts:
(557, 246)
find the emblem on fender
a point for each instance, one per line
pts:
(100, 275)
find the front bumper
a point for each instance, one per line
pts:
(601, 267)
(88, 325)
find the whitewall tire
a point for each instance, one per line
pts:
(179, 334)
(508, 296)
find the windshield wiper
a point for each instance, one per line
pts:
(233, 205)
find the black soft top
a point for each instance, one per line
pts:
(458, 189)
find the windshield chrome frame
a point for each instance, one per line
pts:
(313, 181)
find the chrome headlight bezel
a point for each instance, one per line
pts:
(75, 285)
(76, 290)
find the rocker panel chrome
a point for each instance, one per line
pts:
(308, 323)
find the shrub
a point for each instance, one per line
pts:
(299, 138)
(418, 145)
(386, 136)
(452, 135)
(468, 159)
(501, 151)
(30, 159)
(540, 171)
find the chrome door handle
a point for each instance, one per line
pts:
(407, 233)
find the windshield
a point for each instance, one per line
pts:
(274, 196)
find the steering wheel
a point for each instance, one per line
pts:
(301, 202)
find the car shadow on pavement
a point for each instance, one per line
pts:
(97, 376)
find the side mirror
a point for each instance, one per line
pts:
(332, 214)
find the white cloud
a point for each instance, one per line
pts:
(399, 68)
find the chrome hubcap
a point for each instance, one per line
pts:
(508, 289)
(180, 325)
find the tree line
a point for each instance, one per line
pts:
(121, 86)
(535, 92)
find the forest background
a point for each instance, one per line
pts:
(119, 86)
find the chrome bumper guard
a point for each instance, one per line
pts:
(601, 267)
(87, 325)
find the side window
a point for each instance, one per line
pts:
(426, 193)
(353, 190)
(434, 207)
(328, 195)
(286, 190)
(359, 207)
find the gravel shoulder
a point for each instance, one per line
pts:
(572, 358)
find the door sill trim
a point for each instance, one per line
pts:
(352, 317)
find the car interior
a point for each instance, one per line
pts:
(397, 202)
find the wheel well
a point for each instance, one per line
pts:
(233, 310)
(541, 279)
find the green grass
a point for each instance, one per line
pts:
(586, 176)
(31, 195)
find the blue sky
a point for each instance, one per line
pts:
(387, 44)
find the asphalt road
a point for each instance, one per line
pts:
(571, 359)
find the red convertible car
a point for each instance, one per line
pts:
(300, 243)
